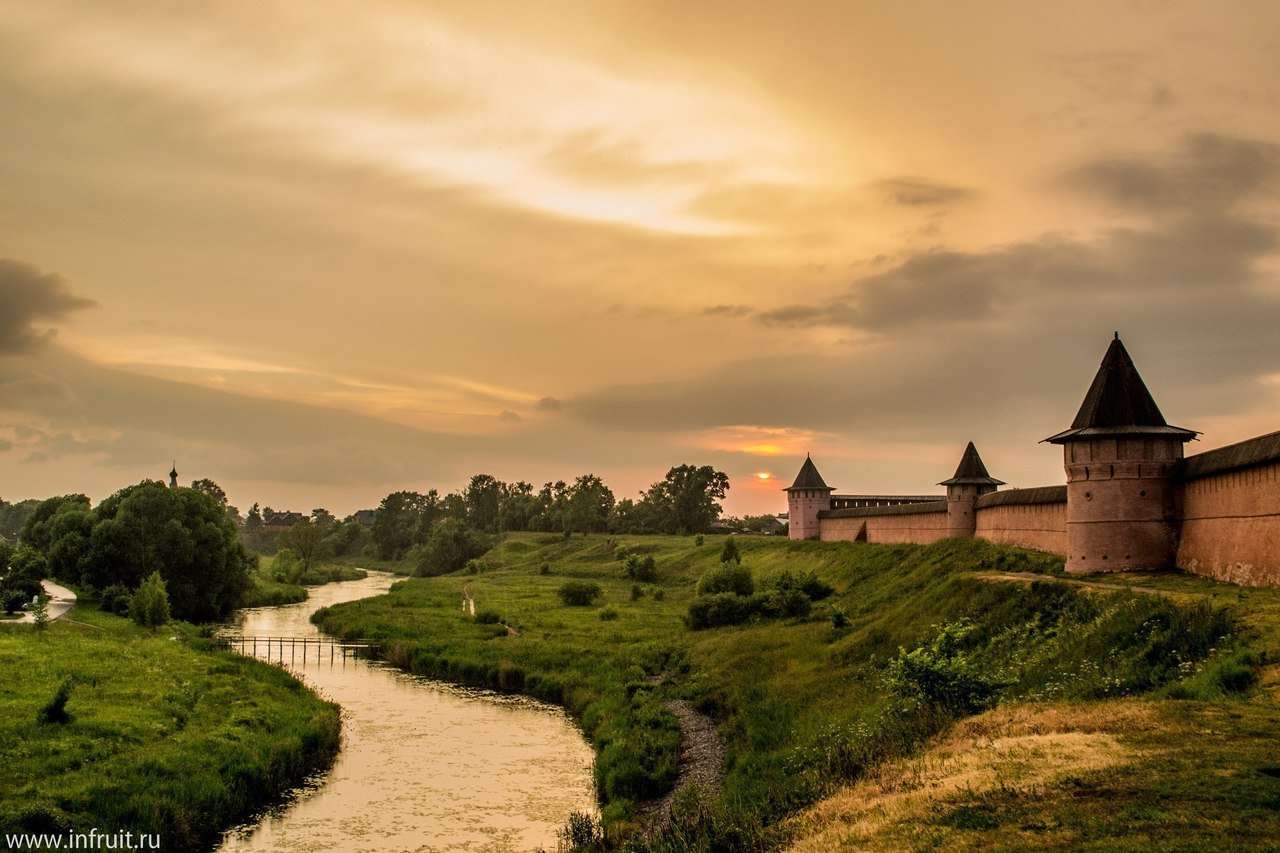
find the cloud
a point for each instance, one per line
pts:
(1210, 171)
(549, 404)
(921, 192)
(727, 311)
(28, 297)
(508, 416)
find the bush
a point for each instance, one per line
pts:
(727, 577)
(545, 570)
(55, 710)
(149, 605)
(637, 592)
(789, 603)
(699, 540)
(115, 599)
(579, 593)
(939, 673)
(839, 619)
(488, 617)
(722, 608)
(809, 583)
(13, 600)
(645, 570)
(729, 553)
(608, 614)
(581, 832)
(659, 595)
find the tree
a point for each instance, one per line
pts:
(451, 544)
(589, 504)
(182, 534)
(38, 530)
(483, 497)
(20, 580)
(307, 540)
(323, 517)
(253, 521)
(212, 489)
(40, 611)
(518, 506)
(687, 500)
(402, 520)
(729, 554)
(149, 605)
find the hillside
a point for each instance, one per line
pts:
(809, 703)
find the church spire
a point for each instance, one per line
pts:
(173, 475)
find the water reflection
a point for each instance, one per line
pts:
(423, 766)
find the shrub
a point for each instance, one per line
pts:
(637, 592)
(40, 611)
(581, 832)
(638, 569)
(608, 614)
(579, 593)
(809, 583)
(149, 605)
(729, 553)
(448, 548)
(55, 710)
(286, 567)
(13, 600)
(727, 577)
(839, 619)
(940, 674)
(545, 570)
(488, 617)
(659, 595)
(115, 599)
(785, 603)
(722, 608)
(699, 540)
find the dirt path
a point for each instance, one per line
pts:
(469, 608)
(701, 760)
(1030, 577)
(61, 600)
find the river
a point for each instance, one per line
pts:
(423, 765)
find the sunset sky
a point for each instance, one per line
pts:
(319, 251)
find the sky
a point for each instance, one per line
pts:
(322, 251)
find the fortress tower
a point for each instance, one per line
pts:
(1120, 457)
(808, 496)
(970, 481)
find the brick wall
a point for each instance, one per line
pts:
(1028, 518)
(919, 524)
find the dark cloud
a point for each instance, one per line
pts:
(921, 192)
(550, 404)
(727, 311)
(508, 415)
(1211, 171)
(28, 297)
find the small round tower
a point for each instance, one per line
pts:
(807, 496)
(1120, 456)
(970, 482)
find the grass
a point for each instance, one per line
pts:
(149, 732)
(804, 706)
(265, 591)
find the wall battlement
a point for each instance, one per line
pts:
(1131, 500)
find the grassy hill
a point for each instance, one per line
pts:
(162, 735)
(912, 639)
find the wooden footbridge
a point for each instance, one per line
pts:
(299, 650)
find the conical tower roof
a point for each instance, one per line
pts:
(971, 471)
(809, 478)
(1118, 402)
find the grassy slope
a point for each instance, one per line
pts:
(164, 737)
(800, 704)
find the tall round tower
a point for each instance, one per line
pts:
(970, 481)
(808, 496)
(1120, 457)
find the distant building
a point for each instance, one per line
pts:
(173, 475)
(1131, 500)
(278, 518)
(365, 517)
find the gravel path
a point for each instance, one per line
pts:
(61, 600)
(701, 759)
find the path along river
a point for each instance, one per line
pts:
(423, 765)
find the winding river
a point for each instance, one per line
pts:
(423, 765)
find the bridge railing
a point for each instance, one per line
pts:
(295, 649)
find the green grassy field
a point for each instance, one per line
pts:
(803, 705)
(164, 736)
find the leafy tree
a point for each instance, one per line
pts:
(518, 506)
(307, 540)
(181, 533)
(20, 581)
(589, 504)
(253, 521)
(687, 500)
(323, 517)
(13, 516)
(451, 544)
(286, 567)
(483, 497)
(37, 531)
(149, 606)
(40, 611)
(402, 520)
(212, 489)
(729, 553)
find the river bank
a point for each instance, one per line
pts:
(810, 702)
(159, 734)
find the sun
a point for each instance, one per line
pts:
(763, 475)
